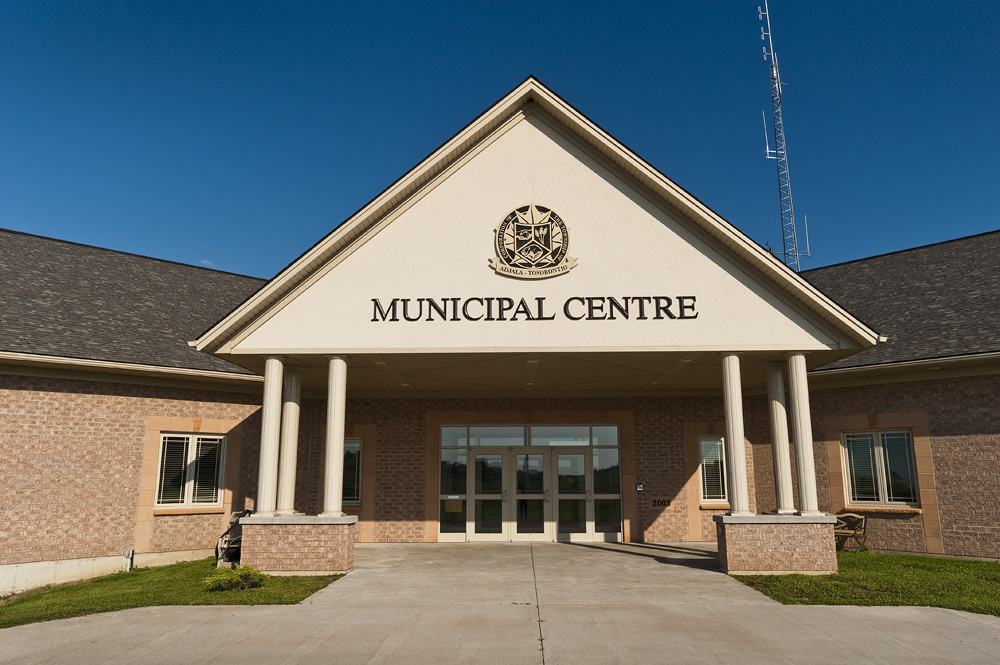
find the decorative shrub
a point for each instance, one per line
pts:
(238, 578)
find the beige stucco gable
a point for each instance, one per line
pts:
(645, 256)
(636, 236)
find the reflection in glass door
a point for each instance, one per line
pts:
(607, 498)
(538, 483)
(572, 495)
(532, 496)
(490, 496)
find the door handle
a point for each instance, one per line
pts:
(506, 496)
(548, 496)
(590, 496)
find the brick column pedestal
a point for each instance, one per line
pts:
(776, 544)
(298, 544)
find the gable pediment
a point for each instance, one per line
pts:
(651, 272)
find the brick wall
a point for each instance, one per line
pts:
(963, 423)
(71, 455)
(176, 533)
(401, 480)
(70, 462)
(752, 548)
(298, 547)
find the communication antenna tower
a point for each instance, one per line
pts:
(789, 237)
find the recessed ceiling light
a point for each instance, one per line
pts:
(404, 384)
(381, 362)
(528, 383)
(684, 360)
(531, 362)
(654, 383)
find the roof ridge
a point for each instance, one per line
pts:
(902, 251)
(118, 251)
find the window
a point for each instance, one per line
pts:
(880, 467)
(190, 470)
(711, 457)
(352, 473)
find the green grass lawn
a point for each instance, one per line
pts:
(176, 584)
(867, 578)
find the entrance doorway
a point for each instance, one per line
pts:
(560, 488)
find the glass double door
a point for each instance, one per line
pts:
(533, 494)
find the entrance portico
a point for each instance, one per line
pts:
(533, 273)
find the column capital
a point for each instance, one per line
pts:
(792, 354)
(336, 356)
(273, 356)
(723, 354)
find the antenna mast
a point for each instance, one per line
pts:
(789, 237)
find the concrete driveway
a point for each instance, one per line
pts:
(518, 603)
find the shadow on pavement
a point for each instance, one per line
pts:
(688, 558)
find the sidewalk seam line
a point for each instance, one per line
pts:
(538, 609)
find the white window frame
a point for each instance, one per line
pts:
(361, 456)
(724, 501)
(192, 450)
(880, 474)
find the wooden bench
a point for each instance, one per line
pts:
(850, 526)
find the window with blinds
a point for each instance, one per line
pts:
(190, 470)
(881, 469)
(713, 472)
(352, 473)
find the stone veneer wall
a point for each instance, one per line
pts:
(287, 548)
(71, 456)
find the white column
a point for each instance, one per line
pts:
(779, 439)
(289, 440)
(798, 384)
(333, 473)
(267, 477)
(736, 456)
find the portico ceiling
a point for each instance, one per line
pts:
(534, 374)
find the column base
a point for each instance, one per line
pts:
(298, 544)
(776, 544)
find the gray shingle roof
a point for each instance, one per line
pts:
(63, 299)
(933, 301)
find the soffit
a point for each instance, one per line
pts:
(535, 374)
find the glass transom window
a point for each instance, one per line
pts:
(508, 436)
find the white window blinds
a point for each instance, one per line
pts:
(190, 470)
(713, 475)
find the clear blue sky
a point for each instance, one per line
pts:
(237, 134)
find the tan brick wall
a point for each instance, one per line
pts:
(71, 455)
(175, 533)
(78, 448)
(298, 547)
(400, 462)
(750, 548)
(961, 422)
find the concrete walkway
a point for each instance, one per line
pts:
(517, 603)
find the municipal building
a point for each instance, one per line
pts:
(533, 335)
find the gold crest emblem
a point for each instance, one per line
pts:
(531, 243)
